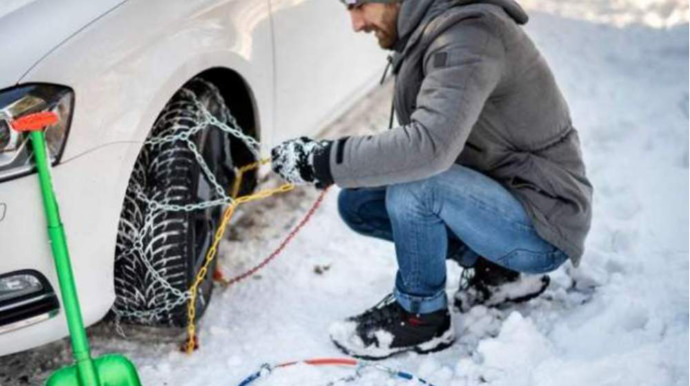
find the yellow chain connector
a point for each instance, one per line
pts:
(213, 250)
(244, 169)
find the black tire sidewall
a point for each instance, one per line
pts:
(135, 289)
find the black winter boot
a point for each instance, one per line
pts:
(387, 329)
(491, 285)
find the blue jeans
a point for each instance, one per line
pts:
(460, 209)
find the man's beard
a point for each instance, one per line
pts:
(386, 39)
(387, 29)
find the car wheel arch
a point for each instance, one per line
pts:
(234, 88)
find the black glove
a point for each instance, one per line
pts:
(293, 160)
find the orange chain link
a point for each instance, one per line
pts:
(192, 341)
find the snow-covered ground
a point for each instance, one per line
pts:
(621, 318)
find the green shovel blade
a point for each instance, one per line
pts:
(111, 370)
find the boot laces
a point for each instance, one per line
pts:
(384, 312)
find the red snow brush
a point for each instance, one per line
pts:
(34, 122)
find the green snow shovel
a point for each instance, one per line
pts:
(108, 370)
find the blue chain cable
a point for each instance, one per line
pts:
(267, 369)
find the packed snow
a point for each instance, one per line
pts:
(621, 318)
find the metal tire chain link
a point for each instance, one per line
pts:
(203, 120)
(232, 128)
(154, 207)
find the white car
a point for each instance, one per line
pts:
(121, 73)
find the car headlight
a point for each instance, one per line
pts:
(15, 149)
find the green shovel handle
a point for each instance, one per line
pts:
(58, 243)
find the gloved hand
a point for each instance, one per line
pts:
(293, 160)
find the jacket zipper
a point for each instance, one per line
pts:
(385, 71)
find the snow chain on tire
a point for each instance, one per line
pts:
(175, 183)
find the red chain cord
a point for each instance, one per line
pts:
(218, 276)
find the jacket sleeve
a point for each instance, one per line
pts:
(462, 67)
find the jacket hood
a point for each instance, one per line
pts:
(416, 12)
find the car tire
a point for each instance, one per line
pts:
(160, 252)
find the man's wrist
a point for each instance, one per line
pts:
(322, 165)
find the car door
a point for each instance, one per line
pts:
(321, 65)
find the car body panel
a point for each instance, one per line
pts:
(317, 62)
(92, 255)
(44, 23)
(135, 63)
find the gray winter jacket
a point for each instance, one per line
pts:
(471, 88)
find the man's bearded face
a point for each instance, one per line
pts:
(381, 19)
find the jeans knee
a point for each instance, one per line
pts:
(347, 207)
(402, 198)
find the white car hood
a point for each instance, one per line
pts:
(30, 29)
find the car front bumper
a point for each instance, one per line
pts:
(89, 190)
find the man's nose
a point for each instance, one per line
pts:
(358, 23)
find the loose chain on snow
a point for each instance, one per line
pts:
(360, 366)
(232, 201)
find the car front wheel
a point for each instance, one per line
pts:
(164, 231)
